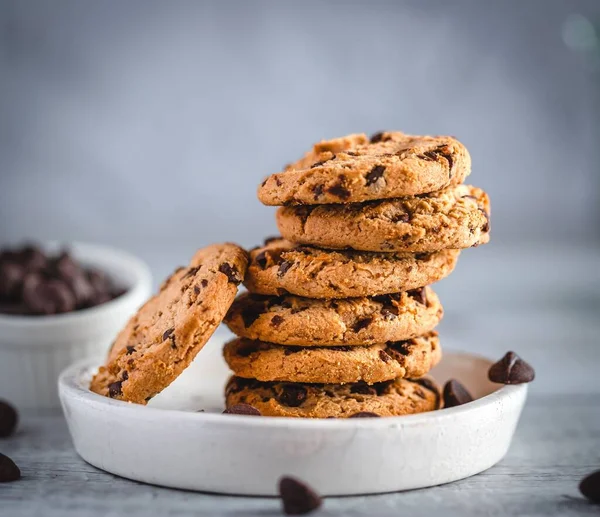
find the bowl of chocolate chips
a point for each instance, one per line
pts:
(60, 304)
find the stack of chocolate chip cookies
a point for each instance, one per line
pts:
(339, 319)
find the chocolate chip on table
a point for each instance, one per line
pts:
(590, 487)
(8, 419)
(232, 273)
(455, 394)
(364, 414)
(298, 498)
(8, 470)
(292, 395)
(242, 409)
(511, 369)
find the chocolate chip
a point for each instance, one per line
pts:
(191, 271)
(204, 283)
(401, 218)
(114, 389)
(278, 181)
(402, 347)
(318, 164)
(362, 323)
(11, 280)
(378, 137)
(276, 320)
(284, 267)
(47, 297)
(339, 190)
(590, 487)
(374, 174)
(8, 419)
(33, 258)
(292, 395)
(428, 384)
(8, 469)
(351, 153)
(318, 191)
(261, 259)
(250, 313)
(130, 350)
(167, 333)
(232, 273)
(364, 414)
(242, 409)
(419, 295)
(363, 388)
(297, 497)
(486, 226)
(455, 394)
(197, 290)
(511, 369)
(272, 238)
(384, 357)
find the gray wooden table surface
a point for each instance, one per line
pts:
(557, 442)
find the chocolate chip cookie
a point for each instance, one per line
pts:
(338, 365)
(355, 168)
(281, 267)
(454, 218)
(161, 340)
(390, 398)
(291, 320)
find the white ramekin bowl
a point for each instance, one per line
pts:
(35, 349)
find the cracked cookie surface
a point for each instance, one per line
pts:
(390, 398)
(281, 267)
(161, 340)
(292, 320)
(454, 218)
(355, 168)
(411, 358)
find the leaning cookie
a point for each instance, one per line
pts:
(281, 267)
(390, 398)
(354, 169)
(454, 218)
(338, 365)
(161, 340)
(291, 320)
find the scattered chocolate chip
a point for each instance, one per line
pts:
(364, 414)
(292, 395)
(197, 290)
(8, 470)
(8, 419)
(511, 369)
(276, 320)
(384, 356)
(318, 191)
(363, 388)
(114, 389)
(318, 164)
(242, 409)
(284, 267)
(378, 137)
(419, 295)
(339, 190)
(125, 375)
(167, 333)
(47, 296)
(590, 487)
(232, 273)
(204, 283)
(297, 497)
(455, 394)
(11, 280)
(130, 350)
(374, 174)
(362, 323)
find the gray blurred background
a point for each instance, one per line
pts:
(148, 125)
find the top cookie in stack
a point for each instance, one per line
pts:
(339, 319)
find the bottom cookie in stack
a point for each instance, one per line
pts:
(286, 399)
(334, 381)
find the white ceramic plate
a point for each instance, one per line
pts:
(170, 443)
